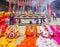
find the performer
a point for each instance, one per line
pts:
(11, 18)
(54, 16)
(43, 15)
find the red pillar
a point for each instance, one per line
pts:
(10, 5)
(18, 4)
(49, 10)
